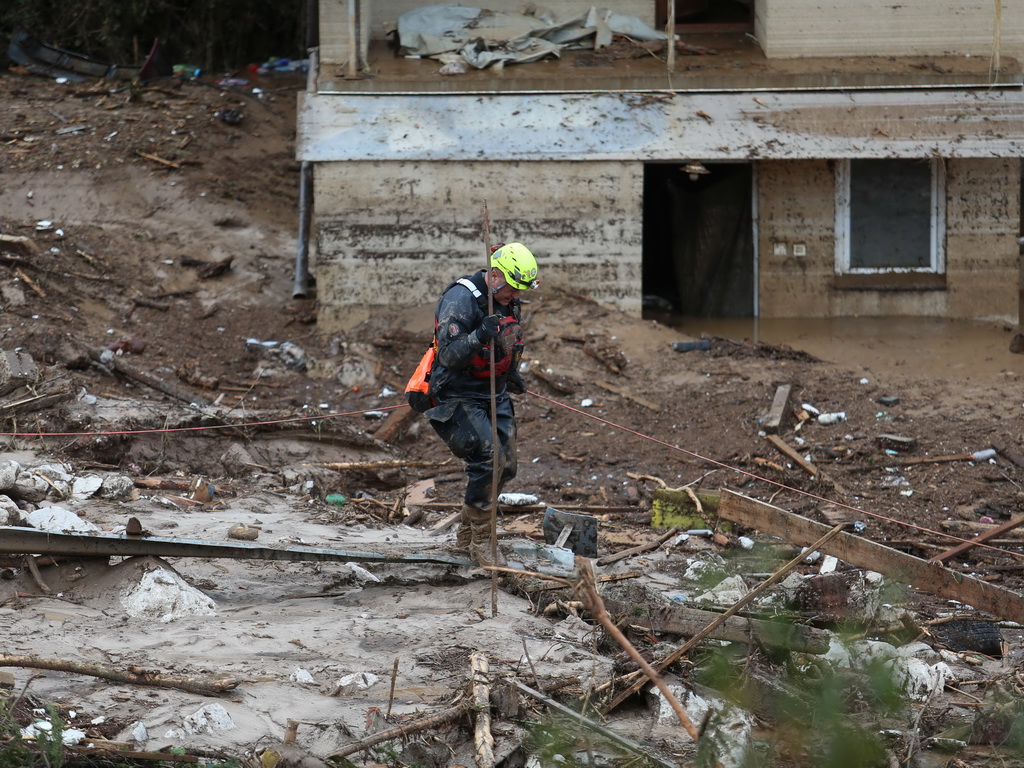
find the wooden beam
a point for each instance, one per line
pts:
(924, 575)
(779, 409)
(988, 535)
(791, 453)
(623, 393)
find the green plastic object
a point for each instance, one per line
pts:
(335, 498)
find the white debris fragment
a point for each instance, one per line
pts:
(85, 487)
(517, 499)
(357, 681)
(301, 675)
(164, 596)
(59, 519)
(211, 718)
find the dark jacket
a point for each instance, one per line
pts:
(461, 367)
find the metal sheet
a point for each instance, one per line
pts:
(661, 125)
(22, 541)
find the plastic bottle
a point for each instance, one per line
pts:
(832, 418)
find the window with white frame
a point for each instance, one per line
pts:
(890, 216)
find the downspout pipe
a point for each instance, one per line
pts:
(302, 277)
(300, 289)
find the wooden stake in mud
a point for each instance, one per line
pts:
(494, 418)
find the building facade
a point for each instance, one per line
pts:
(788, 159)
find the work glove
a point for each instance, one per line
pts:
(488, 328)
(515, 384)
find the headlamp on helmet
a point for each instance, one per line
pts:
(517, 264)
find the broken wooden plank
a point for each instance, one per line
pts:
(118, 364)
(791, 453)
(988, 535)
(26, 246)
(623, 393)
(779, 410)
(640, 549)
(397, 421)
(925, 575)
(1009, 453)
(687, 622)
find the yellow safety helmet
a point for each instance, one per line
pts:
(517, 264)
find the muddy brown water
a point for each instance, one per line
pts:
(950, 350)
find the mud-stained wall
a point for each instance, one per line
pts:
(392, 232)
(796, 28)
(982, 254)
(796, 203)
(796, 206)
(380, 15)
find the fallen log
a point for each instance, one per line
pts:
(689, 622)
(424, 723)
(133, 675)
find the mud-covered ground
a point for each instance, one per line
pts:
(161, 228)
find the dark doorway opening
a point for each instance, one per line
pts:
(698, 245)
(708, 15)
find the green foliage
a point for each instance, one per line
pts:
(16, 752)
(13, 751)
(216, 36)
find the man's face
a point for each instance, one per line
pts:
(506, 293)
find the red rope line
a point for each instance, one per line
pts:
(670, 446)
(776, 483)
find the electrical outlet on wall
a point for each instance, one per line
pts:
(799, 249)
(779, 249)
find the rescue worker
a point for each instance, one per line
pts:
(460, 383)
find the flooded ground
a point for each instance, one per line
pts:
(949, 350)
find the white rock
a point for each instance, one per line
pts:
(301, 676)
(358, 681)
(8, 474)
(10, 513)
(209, 719)
(116, 487)
(164, 596)
(59, 519)
(85, 487)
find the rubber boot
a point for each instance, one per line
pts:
(480, 537)
(463, 534)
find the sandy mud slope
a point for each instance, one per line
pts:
(162, 389)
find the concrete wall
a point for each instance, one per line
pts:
(392, 232)
(379, 14)
(982, 216)
(796, 28)
(796, 202)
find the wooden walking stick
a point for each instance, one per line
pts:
(494, 418)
